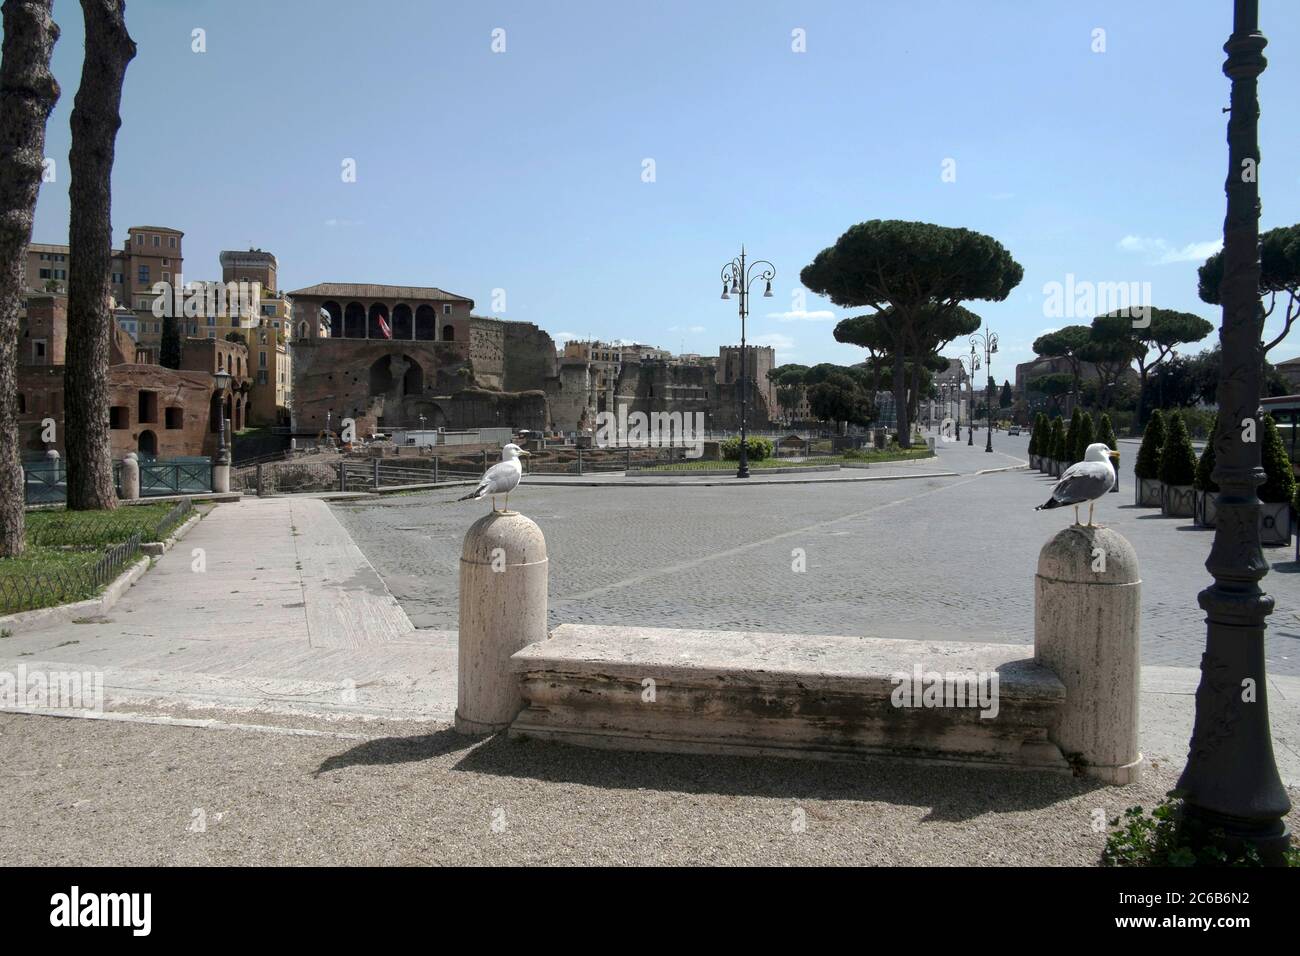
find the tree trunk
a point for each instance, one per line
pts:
(28, 93)
(900, 399)
(95, 121)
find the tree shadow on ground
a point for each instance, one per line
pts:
(951, 793)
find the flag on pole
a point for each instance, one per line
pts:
(383, 327)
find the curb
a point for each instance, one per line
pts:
(91, 607)
(157, 548)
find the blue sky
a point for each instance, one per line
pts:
(523, 170)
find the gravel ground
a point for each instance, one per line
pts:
(107, 793)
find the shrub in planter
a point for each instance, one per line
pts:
(1072, 438)
(1177, 470)
(756, 448)
(1106, 435)
(1206, 489)
(1037, 439)
(1056, 443)
(1146, 469)
(1278, 488)
(1044, 441)
(1085, 437)
(1106, 432)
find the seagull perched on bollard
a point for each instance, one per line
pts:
(502, 478)
(1086, 480)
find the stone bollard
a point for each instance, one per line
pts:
(220, 476)
(130, 477)
(503, 581)
(1087, 599)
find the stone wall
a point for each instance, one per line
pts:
(177, 411)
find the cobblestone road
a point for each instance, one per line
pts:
(947, 558)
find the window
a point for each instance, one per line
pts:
(118, 417)
(212, 320)
(446, 310)
(118, 278)
(167, 276)
(261, 360)
(167, 262)
(147, 403)
(139, 240)
(171, 242)
(143, 275)
(156, 241)
(46, 274)
(175, 417)
(211, 334)
(38, 349)
(22, 404)
(261, 378)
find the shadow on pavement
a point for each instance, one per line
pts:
(951, 793)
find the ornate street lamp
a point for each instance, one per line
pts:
(737, 278)
(222, 380)
(971, 365)
(989, 341)
(1232, 794)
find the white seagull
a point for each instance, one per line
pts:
(502, 478)
(1086, 480)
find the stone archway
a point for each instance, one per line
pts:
(426, 324)
(335, 313)
(354, 321)
(378, 319)
(395, 377)
(403, 322)
(147, 444)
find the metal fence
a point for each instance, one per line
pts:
(21, 592)
(46, 481)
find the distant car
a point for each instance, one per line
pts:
(1013, 430)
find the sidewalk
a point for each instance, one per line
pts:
(288, 616)
(290, 628)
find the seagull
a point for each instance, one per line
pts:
(1086, 480)
(502, 478)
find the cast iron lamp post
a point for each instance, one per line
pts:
(972, 365)
(1232, 795)
(737, 278)
(989, 342)
(222, 380)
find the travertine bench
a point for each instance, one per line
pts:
(731, 692)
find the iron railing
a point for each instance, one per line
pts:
(21, 592)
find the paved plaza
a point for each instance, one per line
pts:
(942, 558)
(283, 698)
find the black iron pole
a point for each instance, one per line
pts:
(1232, 794)
(988, 401)
(743, 470)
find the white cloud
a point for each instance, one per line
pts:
(696, 329)
(1160, 252)
(342, 222)
(802, 315)
(564, 337)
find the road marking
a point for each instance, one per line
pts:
(740, 549)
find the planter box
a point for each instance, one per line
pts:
(1147, 493)
(1114, 461)
(1274, 523)
(1033, 461)
(1178, 501)
(1205, 508)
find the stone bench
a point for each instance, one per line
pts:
(728, 692)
